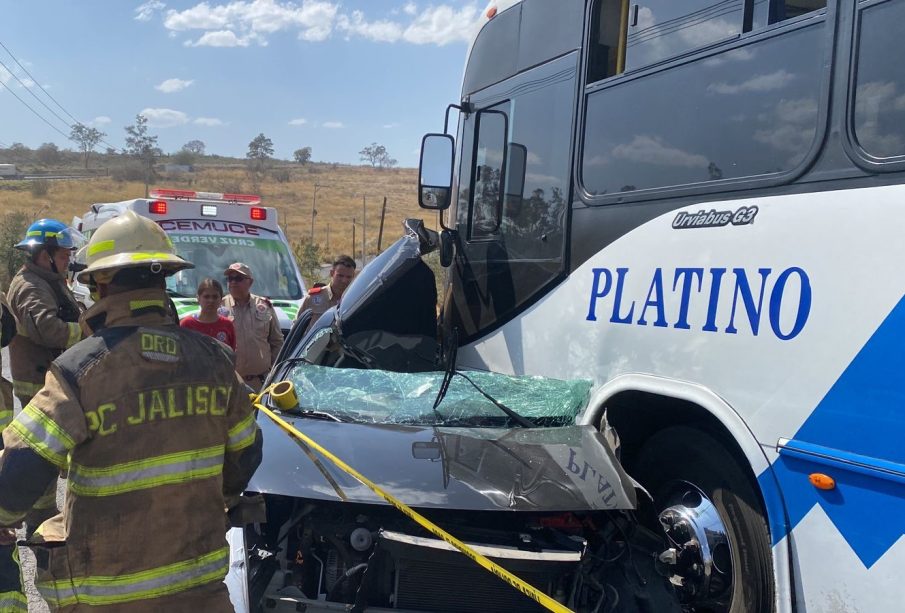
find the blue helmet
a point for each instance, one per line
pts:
(46, 233)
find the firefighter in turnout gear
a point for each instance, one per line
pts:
(45, 311)
(157, 431)
(44, 316)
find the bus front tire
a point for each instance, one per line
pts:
(683, 462)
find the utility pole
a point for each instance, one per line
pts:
(364, 240)
(313, 211)
(328, 240)
(383, 214)
(353, 240)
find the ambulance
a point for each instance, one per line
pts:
(213, 230)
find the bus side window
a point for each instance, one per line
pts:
(878, 120)
(775, 11)
(606, 54)
(627, 35)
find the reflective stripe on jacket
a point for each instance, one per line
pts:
(149, 583)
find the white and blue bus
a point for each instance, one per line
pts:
(699, 205)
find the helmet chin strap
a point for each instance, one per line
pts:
(53, 264)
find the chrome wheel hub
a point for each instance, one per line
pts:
(699, 557)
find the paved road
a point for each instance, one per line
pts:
(35, 603)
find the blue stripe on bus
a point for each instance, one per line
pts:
(863, 414)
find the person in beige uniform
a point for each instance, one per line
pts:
(258, 335)
(321, 299)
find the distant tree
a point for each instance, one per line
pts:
(260, 151)
(183, 157)
(111, 151)
(142, 146)
(19, 153)
(376, 155)
(48, 154)
(302, 156)
(86, 138)
(195, 147)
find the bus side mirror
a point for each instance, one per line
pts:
(435, 172)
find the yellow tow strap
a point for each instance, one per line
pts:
(525, 588)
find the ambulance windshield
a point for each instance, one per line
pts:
(270, 262)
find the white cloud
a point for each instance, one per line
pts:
(146, 11)
(164, 118)
(100, 120)
(5, 75)
(219, 38)
(757, 83)
(254, 19)
(25, 82)
(390, 126)
(239, 23)
(651, 150)
(333, 124)
(298, 122)
(208, 121)
(441, 25)
(173, 85)
(382, 31)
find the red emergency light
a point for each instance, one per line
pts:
(157, 207)
(258, 214)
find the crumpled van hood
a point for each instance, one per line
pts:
(477, 469)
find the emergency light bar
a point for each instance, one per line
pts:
(183, 194)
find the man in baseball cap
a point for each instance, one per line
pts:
(258, 335)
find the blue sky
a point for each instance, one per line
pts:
(334, 76)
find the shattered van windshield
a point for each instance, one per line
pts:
(380, 396)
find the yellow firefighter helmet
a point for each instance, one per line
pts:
(129, 241)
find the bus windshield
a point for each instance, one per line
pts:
(269, 259)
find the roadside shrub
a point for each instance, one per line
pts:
(280, 175)
(39, 187)
(130, 171)
(309, 257)
(12, 229)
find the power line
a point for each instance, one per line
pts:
(30, 76)
(41, 117)
(34, 95)
(25, 70)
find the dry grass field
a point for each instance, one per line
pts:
(340, 190)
